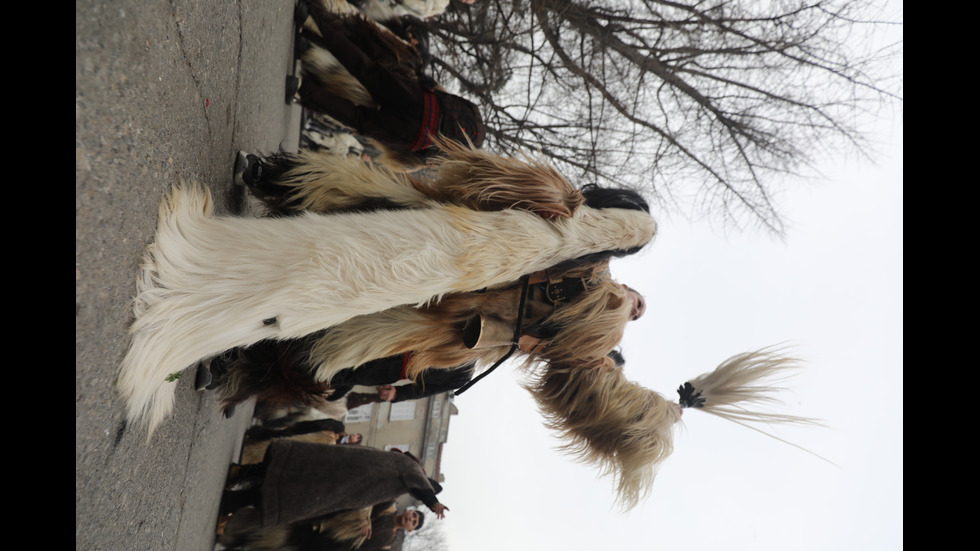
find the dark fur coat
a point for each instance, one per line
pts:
(304, 481)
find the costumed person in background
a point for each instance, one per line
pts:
(265, 432)
(368, 529)
(380, 10)
(404, 111)
(210, 284)
(302, 482)
(400, 46)
(321, 431)
(279, 374)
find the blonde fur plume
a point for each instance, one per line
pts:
(610, 422)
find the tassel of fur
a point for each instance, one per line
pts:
(747, 379)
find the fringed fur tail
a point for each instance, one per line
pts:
(150, 393)
(467, 177)
(747, 379)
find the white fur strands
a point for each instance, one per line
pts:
(493, 236)
(209, 284)
(748, 379)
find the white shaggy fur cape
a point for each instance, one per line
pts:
(209, 284)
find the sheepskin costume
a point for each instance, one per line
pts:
(209, 283)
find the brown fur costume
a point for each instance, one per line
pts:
(362, 75)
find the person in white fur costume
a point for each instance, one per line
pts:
(209, 284)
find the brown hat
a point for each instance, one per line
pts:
(460, 119)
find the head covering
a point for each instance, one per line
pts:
(460, 119)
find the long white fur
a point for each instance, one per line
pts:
(209, 284)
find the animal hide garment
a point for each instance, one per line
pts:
(209, 284)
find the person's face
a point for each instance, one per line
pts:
(639, 304)
(355, 438)
(408, 521)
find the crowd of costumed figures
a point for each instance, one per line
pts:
(366, 271)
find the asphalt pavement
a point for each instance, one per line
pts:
(165, 92)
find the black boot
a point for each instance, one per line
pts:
(248, 170)
(210, 373)
(245, 476)
(233, 500)
(301, 13)
(292, 86)
(300, 47)
(203, 379)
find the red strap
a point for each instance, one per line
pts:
(405, 358)
(430, 122)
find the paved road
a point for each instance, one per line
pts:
(165, 92)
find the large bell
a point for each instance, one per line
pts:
(486, 332)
